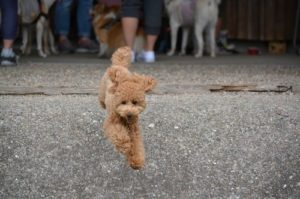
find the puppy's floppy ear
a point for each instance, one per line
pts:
(113, 74)
(148, 83)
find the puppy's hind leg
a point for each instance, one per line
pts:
(46, 39)
(25, 37)
(185, 35)
(174, 31)
(39, 38)
(52, 42)
(199, 35)
(29, 45)
(212, 40)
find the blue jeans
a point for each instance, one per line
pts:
(9, 16)
(83, 17)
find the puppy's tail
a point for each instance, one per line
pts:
(122, 57)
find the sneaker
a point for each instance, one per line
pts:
(9, 60)
(146, 56)
(65, 46)
(87, 46)
(132, 56)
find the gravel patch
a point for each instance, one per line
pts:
(222, 145)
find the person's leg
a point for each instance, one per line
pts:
(130, 25)
(152, 17)
(84, 26)
(9, 22)
(62, 17)
(9, 10)
(150, 42)
(8, 43)
(130, 18)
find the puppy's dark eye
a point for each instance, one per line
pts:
(123, 102)
(134, 102)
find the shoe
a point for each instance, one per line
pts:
(132, 56)
(9, 60)
(65, 46)
(146, 56)
(87, 46)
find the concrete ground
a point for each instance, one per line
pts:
(199, 144)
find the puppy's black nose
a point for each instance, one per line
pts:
(129, 115)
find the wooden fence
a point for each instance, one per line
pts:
(262, 20)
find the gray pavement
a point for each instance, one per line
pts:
(198, 144)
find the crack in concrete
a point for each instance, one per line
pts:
(163, 89)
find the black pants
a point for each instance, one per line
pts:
(9, 15)
(152, 13)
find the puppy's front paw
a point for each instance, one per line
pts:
(136, 163)
(124, 146)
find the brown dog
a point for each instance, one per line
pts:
(108, 30)
(122, 94)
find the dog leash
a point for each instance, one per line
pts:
(42, 12)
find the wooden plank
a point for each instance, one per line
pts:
(250, 20)
(231, 18)
(296, 6)
(262, 20)
(290, 17)
(242, 16)
(279, 20)
(269, 16)
(253, 20)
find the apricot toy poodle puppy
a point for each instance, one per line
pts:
(122, 94)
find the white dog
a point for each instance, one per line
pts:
(202, 14)
(35, 13)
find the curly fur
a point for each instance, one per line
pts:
(122, 94)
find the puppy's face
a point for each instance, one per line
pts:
(129, 94)
(129, 100)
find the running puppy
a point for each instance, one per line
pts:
(122, 94)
